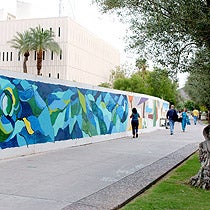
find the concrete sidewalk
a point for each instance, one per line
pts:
(96, 176)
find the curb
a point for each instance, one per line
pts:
(123, 191)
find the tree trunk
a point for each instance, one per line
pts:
(39, 62)
(202, 179)
(26, 55)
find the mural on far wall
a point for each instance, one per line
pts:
(34, 112)
(150, 110)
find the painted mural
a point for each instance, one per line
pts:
(35, 112)
(151, 109)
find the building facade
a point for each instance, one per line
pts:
(84, 57)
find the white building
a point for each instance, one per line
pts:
(84, 57)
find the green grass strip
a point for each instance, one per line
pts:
(173, 191)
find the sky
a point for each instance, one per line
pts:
(81, 11)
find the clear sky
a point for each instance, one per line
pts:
(105, 26)
(80, 11)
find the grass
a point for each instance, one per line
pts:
(173, 191)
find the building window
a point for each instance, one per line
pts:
(7, 56)
(43, 55)
(49, 74)
(58, 75)
(35, 55)
(3, 57)
(19, 56)
(61, 55)
(10, 56)
(52, 55)
(59, 31)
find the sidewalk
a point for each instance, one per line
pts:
(96, 176)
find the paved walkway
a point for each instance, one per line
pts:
(97, 176)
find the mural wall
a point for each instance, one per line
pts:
(33, 112)
(151, 109)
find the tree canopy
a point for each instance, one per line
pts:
(172, 33)
(35, 39)
(168, 31)
(42, 40)
(21, 42)
(156, 83)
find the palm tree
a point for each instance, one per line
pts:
(141, 64)
(21, 42)
(42, 40)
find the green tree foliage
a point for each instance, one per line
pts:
(42, 40)
(21, 42)
(105, 85)
(198, 88)
(120, 72)
(173, 33)
(141, 64)
(34, 39)
(162, 86)
(170, 31)
(156, 83)
(190, 105)
(198, 84)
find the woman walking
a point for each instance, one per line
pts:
(185, 119)
(135, 122)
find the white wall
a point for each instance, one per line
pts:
(85, 57)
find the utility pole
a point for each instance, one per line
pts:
(66, 8)
(60, 7)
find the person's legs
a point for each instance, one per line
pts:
(133, 128)
(137, 125)
(195, 119)
(183, 124)
(171, 124)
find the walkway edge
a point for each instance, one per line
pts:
(121, 192)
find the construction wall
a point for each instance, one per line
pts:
(36, 112)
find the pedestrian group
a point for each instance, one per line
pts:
(172, 116)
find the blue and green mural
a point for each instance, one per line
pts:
(35, 112)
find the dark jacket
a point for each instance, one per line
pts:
(172, 115)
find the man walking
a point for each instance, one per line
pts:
(195, 114)
(172, 116)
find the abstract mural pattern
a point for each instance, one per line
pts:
(35, 112)
(151, 109)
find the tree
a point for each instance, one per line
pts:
(156, 83)
(198, 88)
(198, 85)
(21, 42)
(141, 64)
(42, 40)
(169, 31)
(162, 86)
(105, 85)
(201, 179)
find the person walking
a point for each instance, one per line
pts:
(135, 122)
(172, 116)
(195, 114)
(185, 119)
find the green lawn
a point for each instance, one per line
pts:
(174, 192)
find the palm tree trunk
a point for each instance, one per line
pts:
(39, 62)
(26, 55)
